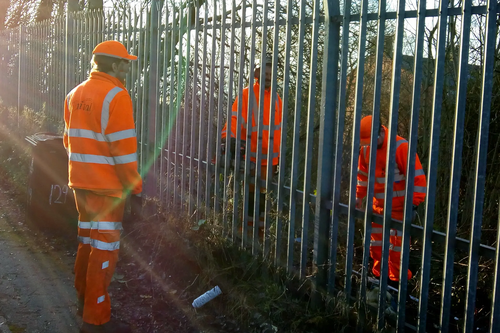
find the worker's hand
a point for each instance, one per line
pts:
(359, 203)
(243, 148)
(136, 206)
(223, 146)
(414, 215)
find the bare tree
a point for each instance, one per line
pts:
(44, 11)
(95, 4)
(4, 6)
(73, 5)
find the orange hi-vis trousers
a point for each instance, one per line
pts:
(396, 240)
(262, 200)
(99, 227)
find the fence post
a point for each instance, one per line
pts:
(69, 69)
(20, 74)
(150, 189)
(326, 142)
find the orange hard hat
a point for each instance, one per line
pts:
(365, 131)
(114, 49)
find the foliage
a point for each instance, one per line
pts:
(447, 110)
(22, 12)
(14, 150)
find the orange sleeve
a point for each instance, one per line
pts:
(66, 123)
(279, 111)
(420, 182)
(122, 140)
(234, 117)
(362, 177)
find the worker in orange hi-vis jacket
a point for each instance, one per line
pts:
(101, 142)
(250, 124)
(399, 192)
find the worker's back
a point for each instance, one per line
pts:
(92, 137)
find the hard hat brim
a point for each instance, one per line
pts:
(128, 57)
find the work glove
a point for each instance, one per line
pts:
(359, 203)
(230, 145)
(136, 206)
(414, 216)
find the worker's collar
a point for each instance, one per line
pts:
(384, 144)
(106, 77)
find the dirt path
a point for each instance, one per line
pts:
(150, 290)
(36, 280)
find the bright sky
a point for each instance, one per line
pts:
(109, 3)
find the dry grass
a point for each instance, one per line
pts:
(260, 297)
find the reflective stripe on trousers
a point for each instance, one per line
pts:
(394, 251)
(99, 230)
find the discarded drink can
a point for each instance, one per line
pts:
(207, 297)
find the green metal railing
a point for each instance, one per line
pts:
(327, 58)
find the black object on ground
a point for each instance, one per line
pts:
(51, 204)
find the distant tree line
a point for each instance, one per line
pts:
(21, 12)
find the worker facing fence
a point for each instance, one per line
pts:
(251, 126)
(399, 192)
(447, 112)
(101, 143)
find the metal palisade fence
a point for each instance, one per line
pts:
(425, 69)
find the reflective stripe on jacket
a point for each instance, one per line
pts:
(100, 137)
(399, 185)
(266, 129)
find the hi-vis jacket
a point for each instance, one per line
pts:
(100, 137)
(399, 186)
(265, 132)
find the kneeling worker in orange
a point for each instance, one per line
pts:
(399, 188)
(100, 139)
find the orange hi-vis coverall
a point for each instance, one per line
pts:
(265, 132)
(102, 147)
(254, 130)
(399, 193)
